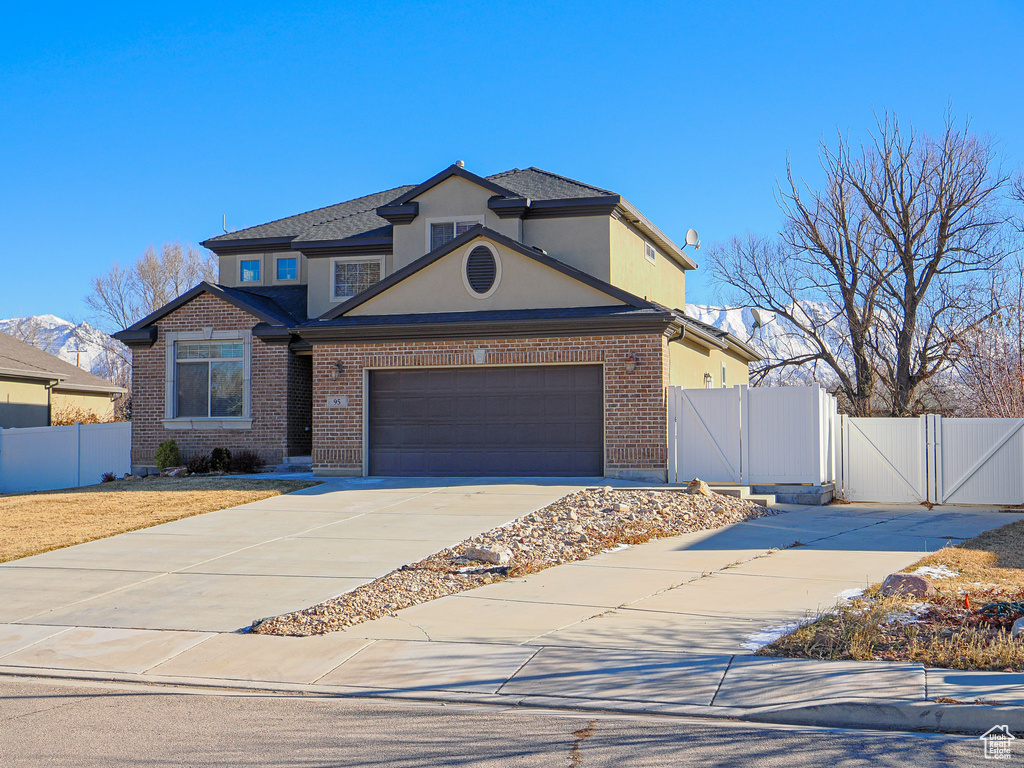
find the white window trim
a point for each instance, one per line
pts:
(497, 269)
(650, 253)
(724, 385)
(446, 220)
(338, 299)
(228, 422)
(242, 260)
(298, 270)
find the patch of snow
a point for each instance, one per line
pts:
(910, 616)
(770, 634)
(850, 594)
(936, 572)
(616, 548)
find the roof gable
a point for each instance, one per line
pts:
(260, 306)
(534, 280)
(447, 173)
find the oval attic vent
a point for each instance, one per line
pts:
(481, 269)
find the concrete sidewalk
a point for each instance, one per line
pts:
(663, 627)
(840, 694)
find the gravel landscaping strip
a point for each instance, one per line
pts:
(575, 527)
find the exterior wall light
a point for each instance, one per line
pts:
(707, 381)
(339, 368)
(632, 361)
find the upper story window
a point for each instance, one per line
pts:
(288, 268)
(356, 274)
(445, 231)
(208, 379)
(249, 270)
(649, 252)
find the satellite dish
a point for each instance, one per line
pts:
(692, 238)
(758, 319)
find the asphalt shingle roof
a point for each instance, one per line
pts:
(20, 356)
(286, 303)
(358, 217)
(294, 226)
(537, 184)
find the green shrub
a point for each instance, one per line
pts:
(220, 460)
(168, 455)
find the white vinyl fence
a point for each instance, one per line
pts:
(46, 458)
(935, 459)
(752, 435)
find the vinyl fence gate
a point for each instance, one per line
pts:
(933, 459)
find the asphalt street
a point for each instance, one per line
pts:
(52, 723)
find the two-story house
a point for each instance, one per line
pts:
(519, 324)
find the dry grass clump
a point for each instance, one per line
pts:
(31, 523)
(945, 630)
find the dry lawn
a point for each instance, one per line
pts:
(946, 630)
(31, 523)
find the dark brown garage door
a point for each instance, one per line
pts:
(544, 420)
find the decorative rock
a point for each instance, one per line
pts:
(495, 555)
(698, 487)
(621, 508)
(173, 472)
(1017, 628)
(907, 584)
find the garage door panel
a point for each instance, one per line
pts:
(540, 420)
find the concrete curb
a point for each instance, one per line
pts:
(880, 715)
(896, 716)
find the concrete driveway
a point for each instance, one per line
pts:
(219, 571)
(665, 626)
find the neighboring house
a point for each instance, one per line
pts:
(519, 324)
(35, 385)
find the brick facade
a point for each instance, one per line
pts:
(635, 421)
(279, 391)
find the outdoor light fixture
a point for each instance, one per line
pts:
(707, 381)
(339, 368)
(632, 361)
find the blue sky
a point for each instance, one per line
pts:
(135, 125)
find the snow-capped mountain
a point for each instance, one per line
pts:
(771, 336)
(83, 345)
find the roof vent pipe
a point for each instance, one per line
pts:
(460, 164)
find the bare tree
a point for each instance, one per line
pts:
(126, 294)
(885, 267)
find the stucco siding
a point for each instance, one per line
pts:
(579, 241)
(320, 290)
(689, 362)
(664, 281)
(23, 403)
(454, 198)
(230, 269)
(524, 284)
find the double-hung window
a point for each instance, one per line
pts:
(208, 379)
(442, 232)
(355, 275)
